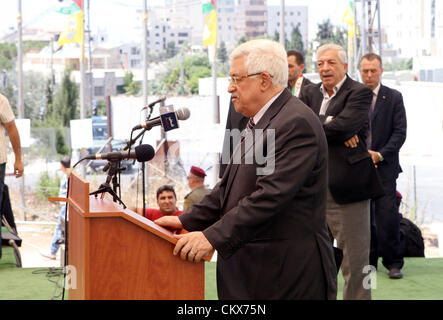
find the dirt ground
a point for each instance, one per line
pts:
(36, 239)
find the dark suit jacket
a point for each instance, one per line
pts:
(236, 120)
(270, 231)
(352, 175)
(388, 127)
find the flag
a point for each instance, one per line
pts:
(74, 31)
(349, 19)
(210, 27)
(68, 10)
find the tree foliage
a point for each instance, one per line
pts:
(131, 87)
(8, 51)
(328, 33)
(296, 41)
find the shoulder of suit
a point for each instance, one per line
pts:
(387, 90)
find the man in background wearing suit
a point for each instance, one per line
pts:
(387, 133)
(342, 105)
(235, 120)
(268, 226)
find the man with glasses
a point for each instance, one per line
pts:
(235, 120)
(269, 228)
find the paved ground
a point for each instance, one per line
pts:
(36, 239)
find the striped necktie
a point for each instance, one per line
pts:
(249, 126)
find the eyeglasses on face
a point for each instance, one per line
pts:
(234, 80)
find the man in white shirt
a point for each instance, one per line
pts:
(342, 105)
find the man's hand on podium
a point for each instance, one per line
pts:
(192, 246)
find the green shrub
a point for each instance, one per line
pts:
(47, 186)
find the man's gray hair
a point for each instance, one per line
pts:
(332, 46)
(264, 56)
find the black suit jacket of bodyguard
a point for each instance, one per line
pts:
(388, 131)
(270, 231)
(352, 174)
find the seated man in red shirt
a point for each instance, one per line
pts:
(166, 201)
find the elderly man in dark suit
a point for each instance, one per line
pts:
(267, 223)
(387, 119)
(342, 105)
(235, 120)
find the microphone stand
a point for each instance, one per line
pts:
(128, 146)
(113, 167)
(143, 168)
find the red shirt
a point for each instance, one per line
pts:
(153, 214)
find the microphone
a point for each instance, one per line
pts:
(142, 153)
(161, 99)
(168, 120)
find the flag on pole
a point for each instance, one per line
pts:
(349, 19)
(210, 28)
(74, 30)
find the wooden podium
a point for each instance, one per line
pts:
(114, 253)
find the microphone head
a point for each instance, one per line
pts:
(144, 152)
(183, 113)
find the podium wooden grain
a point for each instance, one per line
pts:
(118, 254)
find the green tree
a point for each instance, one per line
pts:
(222, 53)
(296, 42)
(131, 87)
(325, 33)
(8, 51)
(241, 40)
(171, 50)
(65, 104)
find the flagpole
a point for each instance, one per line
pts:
(82, 83)
(20, 105)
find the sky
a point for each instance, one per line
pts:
(119, 16)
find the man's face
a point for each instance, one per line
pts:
(294, 69)
(245, 90)
(330, 68)
(166, 202)
(371, 72)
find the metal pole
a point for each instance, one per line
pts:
(379, 30)
(20, 92)
(145, 53)
(282, 23)
(82, 86)
(356, 58)
(364, 36)
(20, 61)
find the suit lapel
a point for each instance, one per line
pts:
(340, 93)
(262, 124)
(317, 99)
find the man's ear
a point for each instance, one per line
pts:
(265, 81)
